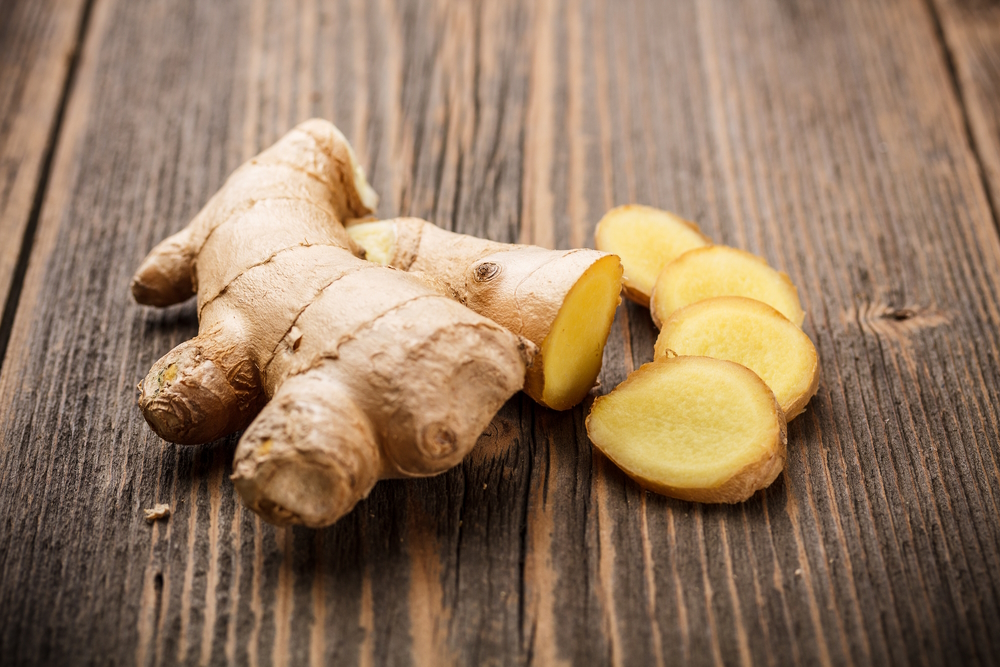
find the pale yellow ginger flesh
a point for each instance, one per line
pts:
(752, 334)
(573, 350)
(722, 271)
(340, 371)
(693, 428)
(647, 239)
(377, 239)
(563, 301)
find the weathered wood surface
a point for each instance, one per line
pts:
(827, 136)
(37, 51)
(971, 31)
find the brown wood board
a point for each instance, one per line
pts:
(971, 32)
(827, 137)
(37, 48)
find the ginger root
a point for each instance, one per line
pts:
(692, 428)
(752, 334)
(704, 273)
(563, 301)
(647, 239)
(358, 372)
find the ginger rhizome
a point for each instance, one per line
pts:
(358, 372)
(647, 239)
(692, 428)
(752, 334)
(563, 301)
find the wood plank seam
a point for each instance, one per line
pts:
(27, 241)
(948, 56)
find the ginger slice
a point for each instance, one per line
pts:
(704, 273)
(693, 428)
(647, 239)
(752, 334)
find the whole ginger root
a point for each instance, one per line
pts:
(343, 372)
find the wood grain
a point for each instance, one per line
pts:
(971, 32)
(826, 136)
(37, 50)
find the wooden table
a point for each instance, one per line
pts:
(853, 143)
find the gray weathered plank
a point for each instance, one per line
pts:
(971, 30)
(824, 136)
(37, 43)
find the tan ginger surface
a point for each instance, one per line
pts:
(647, 239)
(752, 334)
(369, 372)
(692, 428)
(718, 270)
(563, 301)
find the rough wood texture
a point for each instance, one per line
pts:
(826, 136)
(971, 30)
(37, 46)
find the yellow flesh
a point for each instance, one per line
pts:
(377, 238)
(647, 239)
(686, 422)
(574, 348)
(749, 333)
(723, 271)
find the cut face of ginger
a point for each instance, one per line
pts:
(646, 239)
(704, 273)
(573, 350)
(693, 428)
(752, 334)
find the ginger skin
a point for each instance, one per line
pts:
(563, 301)
(358, 372)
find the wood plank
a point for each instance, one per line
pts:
(37, 46)
(971, 30)
(824, 136)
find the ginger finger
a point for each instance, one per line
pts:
(563, 301)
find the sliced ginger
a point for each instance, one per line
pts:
(692, 428)
(704, 273)
(647, 239)
(752, 334)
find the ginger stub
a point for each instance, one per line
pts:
(358, 372)
(693, 428)
(647, 239)
(704, 273)
(563, 301)
(752, 334)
